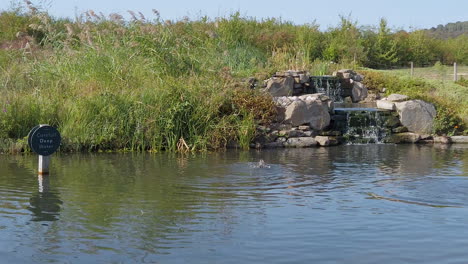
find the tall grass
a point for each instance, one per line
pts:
(144, 84)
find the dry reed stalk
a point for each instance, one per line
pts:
(182, 145)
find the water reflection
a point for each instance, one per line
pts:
(45, 204)
(208, 207)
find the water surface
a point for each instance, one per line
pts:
(346, 204)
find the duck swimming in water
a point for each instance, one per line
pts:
(262, 164)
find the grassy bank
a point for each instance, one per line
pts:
(109, 84)
(150, 84)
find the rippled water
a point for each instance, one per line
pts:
(347, 204)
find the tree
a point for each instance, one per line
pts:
(382, 48)
(344, 43)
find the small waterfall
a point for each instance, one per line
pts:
(329, 85)
(361, 125)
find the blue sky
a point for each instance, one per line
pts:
(405, 14)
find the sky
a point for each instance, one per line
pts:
(400, 14)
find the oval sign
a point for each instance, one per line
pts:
(30, 135)
(44, 140)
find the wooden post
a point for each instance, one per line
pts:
(455, 77)
(44, 162)
(412, 69)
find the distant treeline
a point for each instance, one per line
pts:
(450, 30)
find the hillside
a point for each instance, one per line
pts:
(450, 30)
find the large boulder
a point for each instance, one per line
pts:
(397, 98)
(385, 104)
(358, 92)
(418, 116)
(311, 112)
(280, 86)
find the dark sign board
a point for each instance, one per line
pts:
(44, 140)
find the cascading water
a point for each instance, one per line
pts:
(362, 125)
(329, 85)
(358, 123)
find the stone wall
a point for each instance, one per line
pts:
(310, 120)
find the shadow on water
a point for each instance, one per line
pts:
(45, 204)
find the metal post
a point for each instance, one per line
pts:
(44, 183)
(455, 77)
(44, 162)
(412, 69)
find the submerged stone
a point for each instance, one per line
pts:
(442, 140)
(406, 137)
(300, 142)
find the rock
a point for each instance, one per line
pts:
(272, 136)
(418, 116)
(400, 129)
(358, 78)
(256, 145)
(333, 141)
(371, 97)
(283, 133)
(274, 145)
(322, 140)
(303, 78)
(331, 106)
(346, 75)
(424, 137)
(397, 98)
(426, 141)
(459, 139)
(304, 128)
(330, 133)
(280, 86)
(406, 137)
(295, 133)
(297, 86)
(348, 100)
(308, 133)
(358, 92)
(392, 122)
(313, 113)
(387, 105)
(281, 139)
(280, 114)
(279, 126)
(300, 142)
(442, 140)
(345, 71)
(252, 82)
(314, 97)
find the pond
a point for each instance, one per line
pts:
(371, 203)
